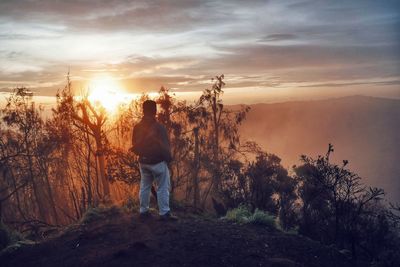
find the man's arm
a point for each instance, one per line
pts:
(135, 149)
(165, 145)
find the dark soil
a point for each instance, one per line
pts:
(126, 240)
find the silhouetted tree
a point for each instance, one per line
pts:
(335, 204)
(220, 130)
(27, 138)
(263, 184)
(90, 120)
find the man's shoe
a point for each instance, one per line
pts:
(168, 217)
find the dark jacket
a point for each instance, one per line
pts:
(150, 141)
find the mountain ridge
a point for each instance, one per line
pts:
(363, 130)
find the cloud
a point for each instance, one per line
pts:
(104, 15)
(338, 84)
(182, 44)
(278, 37)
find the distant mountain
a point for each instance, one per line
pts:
(363, 130)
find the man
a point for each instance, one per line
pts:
(150, 142)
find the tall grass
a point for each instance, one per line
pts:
(243, 215)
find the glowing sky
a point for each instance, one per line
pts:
(265, 48)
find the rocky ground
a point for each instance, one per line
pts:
(122, 239)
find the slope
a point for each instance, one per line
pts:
(122, 239)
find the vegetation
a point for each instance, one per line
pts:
(98, 213)
(8, 236)
(240, 214)
(67, 167)
(338, 209)
(243, 215)
(260, 217)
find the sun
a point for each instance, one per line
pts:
(105, 91)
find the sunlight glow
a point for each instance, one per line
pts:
(106, 91)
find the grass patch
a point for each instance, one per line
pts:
(15, 246)
(243, 215)
(293, 231)
(260, 217)
(8, 236)
(99, 213)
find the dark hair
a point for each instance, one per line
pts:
(149, 108)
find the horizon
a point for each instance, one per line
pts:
(48, 102)
(269, 51)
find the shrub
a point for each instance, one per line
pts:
(8, 236)
(260, 217)
(97, 213)
(241, 214)
(92, 214)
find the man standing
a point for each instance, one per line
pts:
(150, 142)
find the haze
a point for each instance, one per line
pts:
(364, 130)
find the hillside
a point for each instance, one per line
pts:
(117, 238)
(363, 130)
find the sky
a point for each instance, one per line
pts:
(272, 50)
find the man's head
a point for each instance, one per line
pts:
(149, 108)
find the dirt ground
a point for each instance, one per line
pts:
(122, 239)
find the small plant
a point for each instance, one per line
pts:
(260, 217)
(8, 236)
(92, 214)
(130, 205)
(293, 231)
(96, 213)
(241, 214)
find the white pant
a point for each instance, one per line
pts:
(160, 174)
